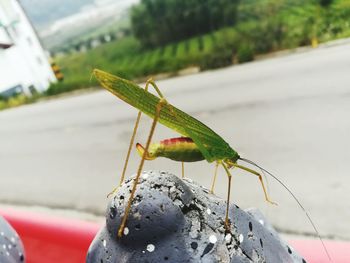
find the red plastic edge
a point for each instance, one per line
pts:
(313, 251)
(51, 239)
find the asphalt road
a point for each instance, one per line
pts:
(289, 114)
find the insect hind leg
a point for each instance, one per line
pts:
(132, 139)
(260, 179)
(214, 179)
(160, 105)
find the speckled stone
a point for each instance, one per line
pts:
(175, 220)
(11, 247)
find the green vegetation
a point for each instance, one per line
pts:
(159, 22)
(17, 101)
(126, 58)
(261, 27)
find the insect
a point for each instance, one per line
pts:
(199, 141)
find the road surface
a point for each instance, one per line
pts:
(289, 114)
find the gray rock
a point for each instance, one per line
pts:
(174, 220)
(11, 247)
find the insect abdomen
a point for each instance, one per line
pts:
(181, 149)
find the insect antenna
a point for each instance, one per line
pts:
(295, 198)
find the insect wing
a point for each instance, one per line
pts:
(215, 147)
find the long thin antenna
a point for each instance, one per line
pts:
(295, 198)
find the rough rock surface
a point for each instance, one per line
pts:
(174, 220)
(11, 247)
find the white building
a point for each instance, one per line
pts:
(23, 61)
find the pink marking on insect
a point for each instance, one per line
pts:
(176, 140)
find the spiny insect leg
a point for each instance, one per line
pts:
(150, 81)
(260, 178)
(227, 223)
(161, 103)
(214, 179)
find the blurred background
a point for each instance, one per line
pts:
(270, 76)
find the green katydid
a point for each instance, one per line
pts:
(199, 141)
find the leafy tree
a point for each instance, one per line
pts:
(159, 22)
(325, 3)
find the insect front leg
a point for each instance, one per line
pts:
(130, 144)
(260, 179)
